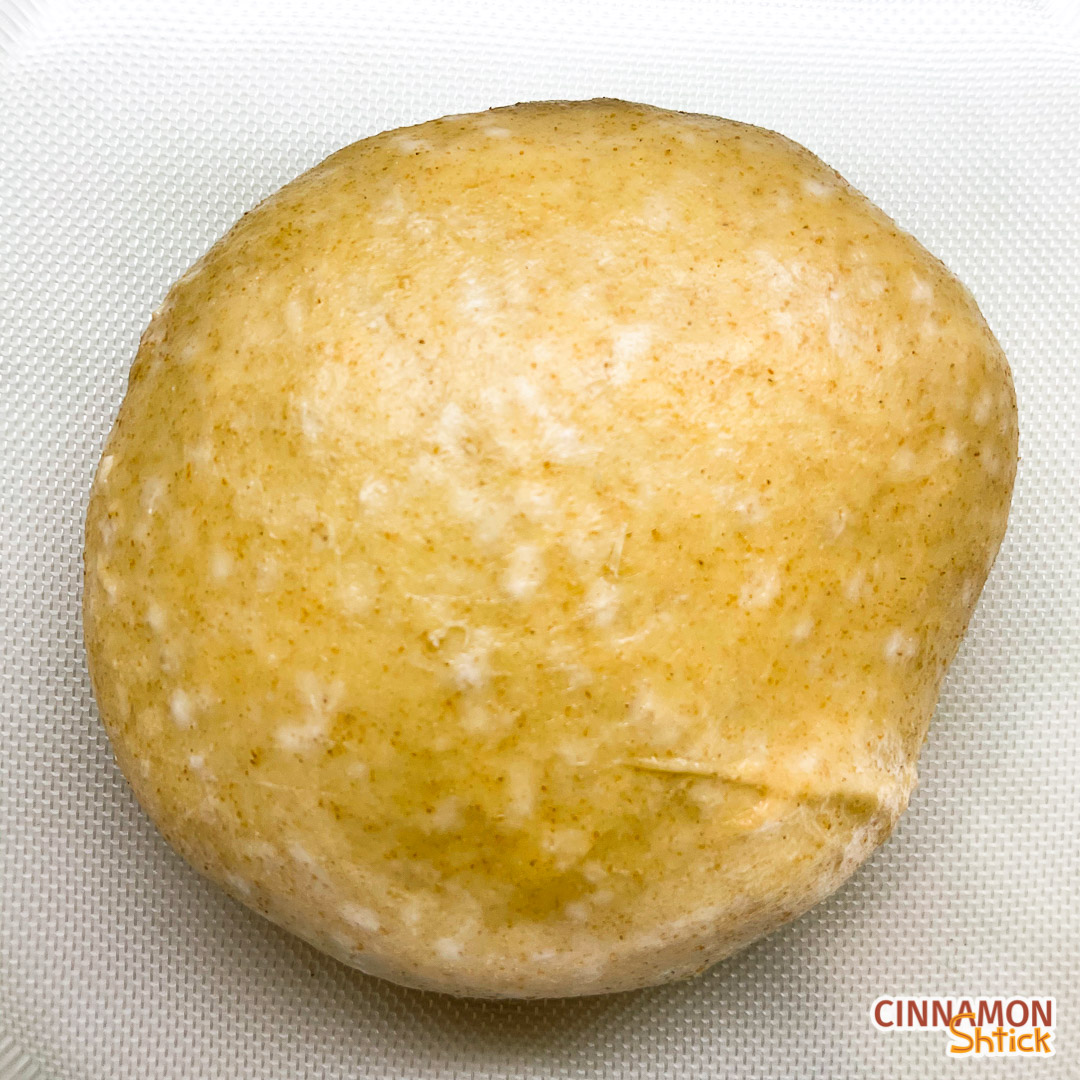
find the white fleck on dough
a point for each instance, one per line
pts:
(630, 345)
(295, 318)
(921, 291)
(354, 599)
(304, 858)
(373, 494)
(521, 790)
(319, 700)
(900, 646)
(578, 752)
(221, 564)
(818, 189)
(447, 815)
(472, 666)
(448, 949)
(593, 872)
(363, 918)
(982, 408)
(524, 572)
(156, 618)
(568, 845)
(761, 589)
(535, 501)
(839, 522)
(854, 586)
(181, 708)
(407, 144)
(311, 420)
(576, 911)
(602, 601)
(476, 718)
(152, 491)
(903, 462)
(240, 884)
(451, 429)
(952, 444)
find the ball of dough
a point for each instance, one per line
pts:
(531, 544)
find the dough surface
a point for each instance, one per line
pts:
(530, 547)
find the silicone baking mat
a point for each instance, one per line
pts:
(132, 135)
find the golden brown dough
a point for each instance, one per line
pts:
(528, 553)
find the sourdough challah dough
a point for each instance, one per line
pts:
(527, 556)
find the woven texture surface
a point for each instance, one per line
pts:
(132, 136)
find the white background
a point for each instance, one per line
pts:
(132, 136)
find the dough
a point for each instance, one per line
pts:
(530, 547)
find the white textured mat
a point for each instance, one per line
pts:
(131, 136)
